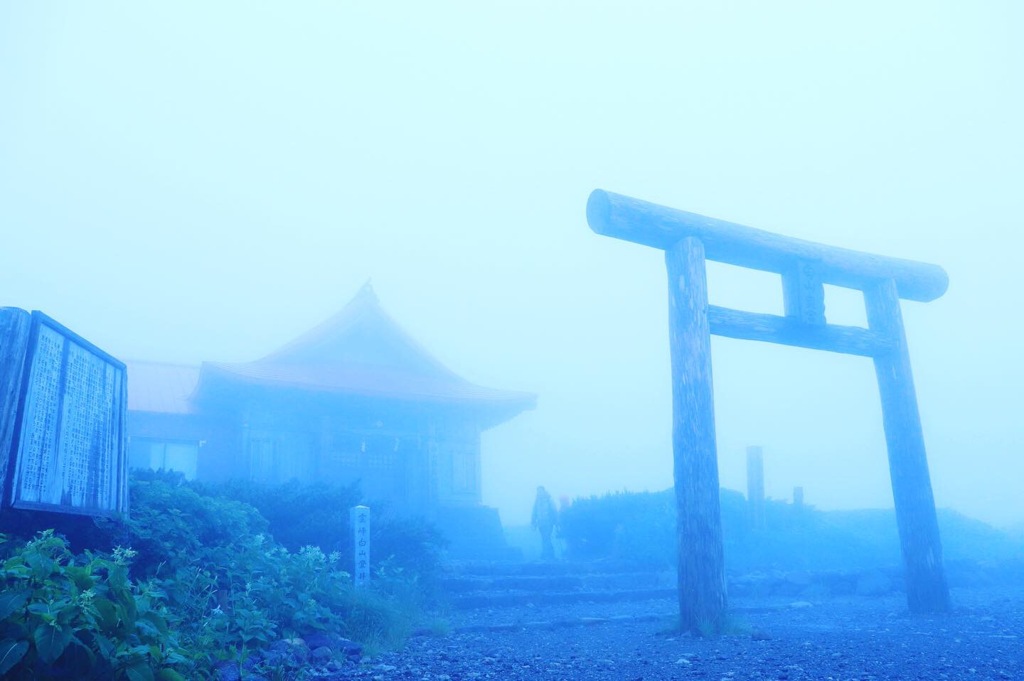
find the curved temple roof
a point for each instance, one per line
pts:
(362, 351)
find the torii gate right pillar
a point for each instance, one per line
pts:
(925, 580)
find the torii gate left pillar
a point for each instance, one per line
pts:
(805, 267)
(701, 572)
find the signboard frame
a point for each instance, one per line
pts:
(68, 450)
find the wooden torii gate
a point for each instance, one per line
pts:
(688, 240)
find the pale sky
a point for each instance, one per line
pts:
(205, 181)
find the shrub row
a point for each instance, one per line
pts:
(212, 580)
(641, 527)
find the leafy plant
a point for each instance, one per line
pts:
(213, 575)
(297, 514)
(80, 619)
(317, 514)
(172, 525)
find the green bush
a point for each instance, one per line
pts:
(213, 574)
(298, 514)
(68, 618)
(405, 546)
(255, 593)
(266, 563)
(317, 514)
(172, 525)
(635, 527)
(641, 527)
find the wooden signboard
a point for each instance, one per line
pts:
(62, 425)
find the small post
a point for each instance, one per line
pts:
(359, 517)
(798, 498)
(755, 487)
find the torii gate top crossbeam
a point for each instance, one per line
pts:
(649, 224)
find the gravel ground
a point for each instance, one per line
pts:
(831, 640)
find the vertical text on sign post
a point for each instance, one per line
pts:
(360, 522)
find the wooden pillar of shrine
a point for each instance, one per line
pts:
(701, 575)
(927, 591)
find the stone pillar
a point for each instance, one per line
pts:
(755, 487)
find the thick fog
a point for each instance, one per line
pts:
(206, 181)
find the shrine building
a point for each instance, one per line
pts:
(354, 399)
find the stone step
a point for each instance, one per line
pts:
(525, 568)
(521, 599)
(458, 584)
(500, 586)
(517, 585)
(520, 584)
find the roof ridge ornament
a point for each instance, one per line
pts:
(366, 291)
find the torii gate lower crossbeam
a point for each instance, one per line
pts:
(688, 240)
